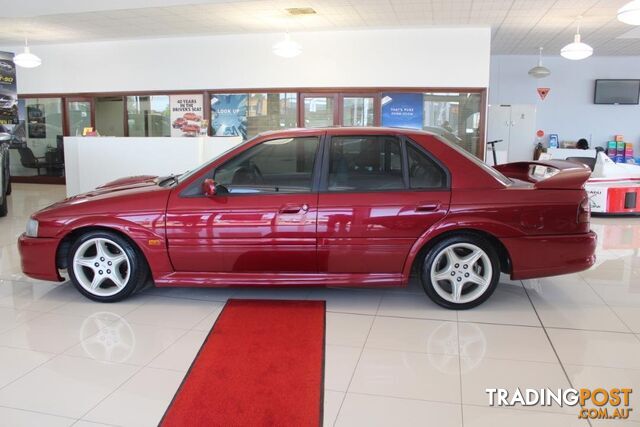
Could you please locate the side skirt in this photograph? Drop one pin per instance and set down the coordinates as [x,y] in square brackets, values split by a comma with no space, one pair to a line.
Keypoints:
[222,280]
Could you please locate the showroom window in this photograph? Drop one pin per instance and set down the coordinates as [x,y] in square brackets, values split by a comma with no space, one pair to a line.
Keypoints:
[452,115]
[358,111]
[276,166]
[37,144]
[109,113]
[365,163]
[149,115]
[455,116]
[248,114]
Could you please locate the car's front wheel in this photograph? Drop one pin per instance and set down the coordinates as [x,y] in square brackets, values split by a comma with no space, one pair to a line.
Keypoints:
[461,271]
[105,267]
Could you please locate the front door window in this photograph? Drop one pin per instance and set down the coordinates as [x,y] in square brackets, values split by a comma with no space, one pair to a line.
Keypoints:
[277,166]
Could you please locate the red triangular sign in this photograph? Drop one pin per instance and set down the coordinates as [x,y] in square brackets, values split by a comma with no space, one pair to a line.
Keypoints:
[543,92]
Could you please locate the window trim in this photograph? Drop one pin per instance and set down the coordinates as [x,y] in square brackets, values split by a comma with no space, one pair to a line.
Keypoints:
[315,172]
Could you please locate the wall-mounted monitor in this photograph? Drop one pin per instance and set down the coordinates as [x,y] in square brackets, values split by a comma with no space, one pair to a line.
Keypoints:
[620,91]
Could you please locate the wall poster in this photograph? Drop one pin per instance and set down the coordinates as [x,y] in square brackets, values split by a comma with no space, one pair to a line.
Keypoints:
[229,115]
[403,110]
[8,92]
[186,115]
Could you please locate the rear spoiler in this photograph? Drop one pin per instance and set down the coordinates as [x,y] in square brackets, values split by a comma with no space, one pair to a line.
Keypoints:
[566,175]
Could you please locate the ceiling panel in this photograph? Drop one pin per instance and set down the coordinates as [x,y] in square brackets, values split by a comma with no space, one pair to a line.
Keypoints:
[518,26]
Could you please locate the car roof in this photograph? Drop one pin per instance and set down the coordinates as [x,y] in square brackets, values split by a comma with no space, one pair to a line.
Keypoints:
[338,130]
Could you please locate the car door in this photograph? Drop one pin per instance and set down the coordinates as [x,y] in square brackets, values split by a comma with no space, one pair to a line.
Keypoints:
[265,223]
[379,193]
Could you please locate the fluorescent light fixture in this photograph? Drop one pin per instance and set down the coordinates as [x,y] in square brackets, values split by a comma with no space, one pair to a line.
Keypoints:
[287,48]
[577,50]
[26,59]
[630,13]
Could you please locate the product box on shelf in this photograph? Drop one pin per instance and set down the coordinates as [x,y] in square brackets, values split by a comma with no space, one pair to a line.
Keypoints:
[612,148]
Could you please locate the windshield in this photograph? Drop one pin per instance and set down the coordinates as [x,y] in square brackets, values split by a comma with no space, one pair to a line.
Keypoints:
[188,174]
[482,165]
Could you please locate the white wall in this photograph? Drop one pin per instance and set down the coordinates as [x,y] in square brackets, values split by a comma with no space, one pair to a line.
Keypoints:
[569,110]
[90,162]
[438,57]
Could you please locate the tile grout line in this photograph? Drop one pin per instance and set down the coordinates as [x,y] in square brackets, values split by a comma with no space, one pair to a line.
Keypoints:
[358,361]
[41,413]
[608,306]
[546,333]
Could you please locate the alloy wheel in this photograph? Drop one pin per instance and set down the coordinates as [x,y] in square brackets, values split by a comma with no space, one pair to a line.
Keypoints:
[461,273]
[101,267]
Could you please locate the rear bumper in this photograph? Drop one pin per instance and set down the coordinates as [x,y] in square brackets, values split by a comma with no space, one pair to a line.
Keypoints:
[541,256]
[38,257]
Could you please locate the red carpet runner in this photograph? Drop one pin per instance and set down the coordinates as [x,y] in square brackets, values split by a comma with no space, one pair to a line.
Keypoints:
[261,365]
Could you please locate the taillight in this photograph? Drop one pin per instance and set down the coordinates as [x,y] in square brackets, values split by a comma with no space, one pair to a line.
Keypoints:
[584,211]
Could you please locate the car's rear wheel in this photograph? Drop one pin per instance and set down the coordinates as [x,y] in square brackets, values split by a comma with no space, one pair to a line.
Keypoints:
[105,266]
[460,271]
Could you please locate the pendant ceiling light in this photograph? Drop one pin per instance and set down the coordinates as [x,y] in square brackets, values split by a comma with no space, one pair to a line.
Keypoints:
[539,72]
[27,59]
[287,48]
[630,13]
[577,50]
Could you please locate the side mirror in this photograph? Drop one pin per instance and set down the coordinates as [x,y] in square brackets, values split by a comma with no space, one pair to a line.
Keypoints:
[209,187]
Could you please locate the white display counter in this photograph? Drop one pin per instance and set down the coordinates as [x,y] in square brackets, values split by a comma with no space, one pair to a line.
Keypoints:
[93,161]
[563,153]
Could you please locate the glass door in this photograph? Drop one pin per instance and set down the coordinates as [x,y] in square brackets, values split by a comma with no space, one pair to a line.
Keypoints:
[320,110]
[80,115]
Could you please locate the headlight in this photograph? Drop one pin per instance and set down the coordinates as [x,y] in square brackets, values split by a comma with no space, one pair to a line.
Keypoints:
[32,228]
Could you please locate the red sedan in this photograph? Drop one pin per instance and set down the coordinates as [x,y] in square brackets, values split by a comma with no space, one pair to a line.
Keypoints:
[322,207]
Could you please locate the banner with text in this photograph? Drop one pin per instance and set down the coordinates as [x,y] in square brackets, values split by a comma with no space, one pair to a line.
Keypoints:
[229,115]
[402,110]
[187,115]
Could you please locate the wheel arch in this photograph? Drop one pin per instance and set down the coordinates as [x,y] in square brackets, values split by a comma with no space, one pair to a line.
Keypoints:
[430,238]
[151,246]
[67,241]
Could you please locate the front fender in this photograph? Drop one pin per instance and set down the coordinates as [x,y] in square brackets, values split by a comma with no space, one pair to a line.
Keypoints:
[147,236]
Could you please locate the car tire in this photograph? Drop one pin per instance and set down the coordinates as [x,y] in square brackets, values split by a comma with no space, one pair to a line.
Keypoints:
[460,272]
[104,266]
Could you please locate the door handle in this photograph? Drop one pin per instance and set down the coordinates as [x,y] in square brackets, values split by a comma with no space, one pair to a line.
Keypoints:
[427,206]
[294,209]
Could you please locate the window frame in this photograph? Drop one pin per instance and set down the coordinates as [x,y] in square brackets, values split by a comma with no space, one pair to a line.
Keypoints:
[196,185]
[403,141]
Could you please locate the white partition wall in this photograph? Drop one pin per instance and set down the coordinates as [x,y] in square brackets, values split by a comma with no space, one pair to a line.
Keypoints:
[417,57]
[93,161]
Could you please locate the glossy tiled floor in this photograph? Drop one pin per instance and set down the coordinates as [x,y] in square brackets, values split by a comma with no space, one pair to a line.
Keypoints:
[393,357]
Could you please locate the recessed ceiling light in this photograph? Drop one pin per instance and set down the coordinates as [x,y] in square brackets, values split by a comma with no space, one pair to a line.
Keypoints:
[298,11]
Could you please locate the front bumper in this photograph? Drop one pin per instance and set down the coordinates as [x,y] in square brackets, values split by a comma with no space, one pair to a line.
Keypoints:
[541,256]
[38,257]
